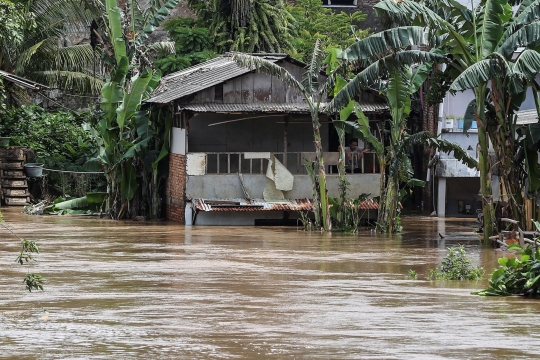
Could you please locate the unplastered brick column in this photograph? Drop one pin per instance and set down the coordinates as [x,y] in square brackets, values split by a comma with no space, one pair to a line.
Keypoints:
[176,188]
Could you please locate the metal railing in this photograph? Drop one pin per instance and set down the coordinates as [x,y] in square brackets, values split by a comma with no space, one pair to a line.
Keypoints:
[238,162]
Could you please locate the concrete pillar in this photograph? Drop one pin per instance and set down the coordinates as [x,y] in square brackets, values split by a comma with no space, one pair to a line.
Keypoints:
[441,201]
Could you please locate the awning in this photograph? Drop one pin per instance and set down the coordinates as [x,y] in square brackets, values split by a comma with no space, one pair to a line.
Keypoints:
[267,108]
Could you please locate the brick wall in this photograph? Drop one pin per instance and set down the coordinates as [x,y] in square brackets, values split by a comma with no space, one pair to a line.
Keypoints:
[176,188]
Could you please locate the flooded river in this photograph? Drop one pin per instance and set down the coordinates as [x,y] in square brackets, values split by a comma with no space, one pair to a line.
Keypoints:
[163,291]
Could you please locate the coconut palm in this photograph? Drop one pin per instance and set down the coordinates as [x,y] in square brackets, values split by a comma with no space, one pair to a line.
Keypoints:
[247,26]
[481,42]
[40,52]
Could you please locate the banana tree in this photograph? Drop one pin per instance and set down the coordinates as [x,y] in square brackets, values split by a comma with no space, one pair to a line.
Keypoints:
[131,143]
[478,40]
[387,55]
[314,92]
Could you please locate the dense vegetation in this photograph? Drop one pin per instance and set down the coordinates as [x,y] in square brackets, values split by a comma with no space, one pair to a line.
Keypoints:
[57,138]
[257,26]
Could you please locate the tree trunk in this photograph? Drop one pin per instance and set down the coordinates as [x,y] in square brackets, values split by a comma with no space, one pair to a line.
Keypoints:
[342,197]
[484,164]
[320,174]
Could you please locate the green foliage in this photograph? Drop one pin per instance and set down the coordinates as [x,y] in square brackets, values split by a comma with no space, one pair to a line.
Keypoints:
[34,282]
[32,46]
[133,140]
[412,274]
[332,28]
[57,138]
[246,26]
[516,276]
[28,248]
[457,266]
[14,23]
[193,45]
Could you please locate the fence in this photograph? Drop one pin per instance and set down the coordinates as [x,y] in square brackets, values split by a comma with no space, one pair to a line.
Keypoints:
[256,162]
[73,183]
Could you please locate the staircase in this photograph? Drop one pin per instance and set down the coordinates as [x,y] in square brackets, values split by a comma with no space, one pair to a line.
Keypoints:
[13,181]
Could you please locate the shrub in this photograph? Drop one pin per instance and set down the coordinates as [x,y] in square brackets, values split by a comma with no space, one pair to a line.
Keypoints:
[516,276]
[57,138]
[457,266]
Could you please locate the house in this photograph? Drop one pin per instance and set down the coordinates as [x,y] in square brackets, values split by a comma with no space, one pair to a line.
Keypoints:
[232,128]
[458,186]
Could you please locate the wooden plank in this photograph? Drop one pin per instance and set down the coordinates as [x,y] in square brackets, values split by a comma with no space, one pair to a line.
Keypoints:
[232,91]
[247,88]
[13,165]
[278,90]
[13,174]
[262,85]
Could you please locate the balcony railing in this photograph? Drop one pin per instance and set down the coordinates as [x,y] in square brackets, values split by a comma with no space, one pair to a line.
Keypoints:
[257,162]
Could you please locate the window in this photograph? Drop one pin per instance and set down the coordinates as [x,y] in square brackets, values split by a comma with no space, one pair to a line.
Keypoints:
[218,95]
[338,3]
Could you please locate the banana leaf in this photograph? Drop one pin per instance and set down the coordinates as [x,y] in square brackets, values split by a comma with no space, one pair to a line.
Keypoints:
[92,201]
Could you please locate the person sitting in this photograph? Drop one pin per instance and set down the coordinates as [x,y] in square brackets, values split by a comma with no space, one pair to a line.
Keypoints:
[353,157]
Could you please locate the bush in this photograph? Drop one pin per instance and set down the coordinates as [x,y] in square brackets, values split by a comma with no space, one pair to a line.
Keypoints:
[457,266]
[516,276]
[57,138]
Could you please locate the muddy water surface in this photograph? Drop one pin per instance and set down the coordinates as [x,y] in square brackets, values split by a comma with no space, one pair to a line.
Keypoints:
[163,291]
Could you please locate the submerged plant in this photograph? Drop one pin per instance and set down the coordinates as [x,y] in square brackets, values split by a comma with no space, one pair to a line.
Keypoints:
[413,274]
[28,248]
[516,276]
[457,266]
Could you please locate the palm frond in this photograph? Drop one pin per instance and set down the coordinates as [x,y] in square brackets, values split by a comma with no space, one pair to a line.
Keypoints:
[154,19]
[490,27]
[267,67]
[385,42]
[480,72]
[428,140]
[528,63]
[310,80]
[377,70]
[527,36]
[405,10]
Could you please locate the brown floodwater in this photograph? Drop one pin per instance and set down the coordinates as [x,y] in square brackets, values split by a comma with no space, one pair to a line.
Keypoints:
[157,290]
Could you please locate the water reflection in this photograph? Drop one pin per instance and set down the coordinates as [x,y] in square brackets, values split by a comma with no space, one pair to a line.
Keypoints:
[140,290]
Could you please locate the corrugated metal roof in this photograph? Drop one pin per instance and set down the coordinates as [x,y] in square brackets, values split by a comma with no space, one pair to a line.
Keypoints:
[526,117]
[202,76]
[239,204]
[291,108]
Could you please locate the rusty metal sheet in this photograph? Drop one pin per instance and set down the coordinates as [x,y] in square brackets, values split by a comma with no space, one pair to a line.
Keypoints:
[239,204]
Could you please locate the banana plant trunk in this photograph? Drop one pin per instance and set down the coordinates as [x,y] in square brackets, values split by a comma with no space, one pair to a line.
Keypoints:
[484,164]
[320,176]
[388,211]
[342,196]
[503,138]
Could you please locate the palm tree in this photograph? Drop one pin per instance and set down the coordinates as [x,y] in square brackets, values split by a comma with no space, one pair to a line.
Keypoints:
[386,60]
[314,93]
[247,26]
[37,54]
[481,42]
